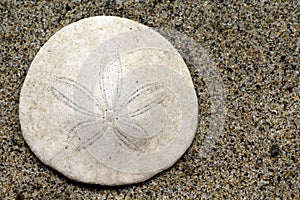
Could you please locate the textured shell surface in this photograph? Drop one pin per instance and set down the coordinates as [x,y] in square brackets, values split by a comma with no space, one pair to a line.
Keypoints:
[108,101]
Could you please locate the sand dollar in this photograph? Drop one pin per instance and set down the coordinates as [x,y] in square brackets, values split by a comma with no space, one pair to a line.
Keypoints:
[108,101]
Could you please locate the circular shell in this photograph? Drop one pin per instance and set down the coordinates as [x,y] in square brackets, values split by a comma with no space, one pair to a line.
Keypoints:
[108,101]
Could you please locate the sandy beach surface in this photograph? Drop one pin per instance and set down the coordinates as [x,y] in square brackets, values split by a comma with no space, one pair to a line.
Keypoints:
[248,87]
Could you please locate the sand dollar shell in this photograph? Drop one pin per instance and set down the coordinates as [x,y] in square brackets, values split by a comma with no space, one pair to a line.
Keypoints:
[108,101]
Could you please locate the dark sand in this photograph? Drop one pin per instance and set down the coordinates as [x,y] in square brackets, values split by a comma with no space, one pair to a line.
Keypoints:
[255,48]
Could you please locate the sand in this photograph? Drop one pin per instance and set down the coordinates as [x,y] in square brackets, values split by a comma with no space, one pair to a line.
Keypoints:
[254,53]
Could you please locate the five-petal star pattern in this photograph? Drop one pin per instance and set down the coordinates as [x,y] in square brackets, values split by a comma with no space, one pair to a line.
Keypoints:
[108,112]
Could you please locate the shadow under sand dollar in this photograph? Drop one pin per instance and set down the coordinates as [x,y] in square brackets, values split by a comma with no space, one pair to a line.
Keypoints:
[202,64]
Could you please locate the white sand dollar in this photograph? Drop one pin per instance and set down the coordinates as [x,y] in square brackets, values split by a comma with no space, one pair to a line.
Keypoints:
[108,101]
